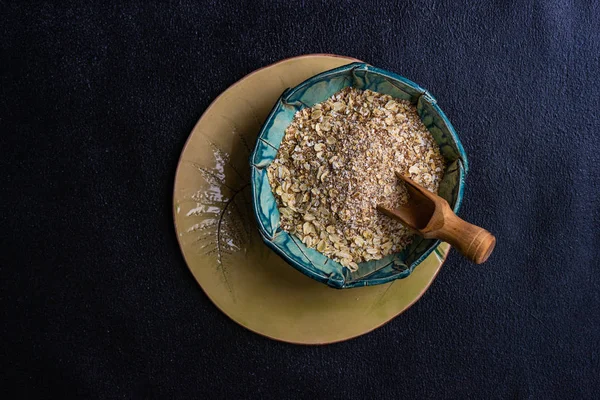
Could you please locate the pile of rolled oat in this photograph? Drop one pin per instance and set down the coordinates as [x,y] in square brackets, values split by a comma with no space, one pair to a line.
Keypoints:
[337,162]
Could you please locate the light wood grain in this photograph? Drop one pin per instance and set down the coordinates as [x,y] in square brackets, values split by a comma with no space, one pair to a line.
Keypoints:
[430,216]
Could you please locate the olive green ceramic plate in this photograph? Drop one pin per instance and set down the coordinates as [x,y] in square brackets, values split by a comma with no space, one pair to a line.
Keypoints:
[221,244]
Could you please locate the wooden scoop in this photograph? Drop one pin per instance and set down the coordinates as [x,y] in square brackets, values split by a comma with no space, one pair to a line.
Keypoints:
[430,216]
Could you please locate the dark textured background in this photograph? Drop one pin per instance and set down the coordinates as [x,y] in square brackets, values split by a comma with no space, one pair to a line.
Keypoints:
[96,102]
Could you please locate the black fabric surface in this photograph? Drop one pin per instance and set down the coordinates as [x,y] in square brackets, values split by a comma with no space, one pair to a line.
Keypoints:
[96,102]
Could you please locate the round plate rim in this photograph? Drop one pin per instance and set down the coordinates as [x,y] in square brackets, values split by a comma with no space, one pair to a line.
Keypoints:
[173,205]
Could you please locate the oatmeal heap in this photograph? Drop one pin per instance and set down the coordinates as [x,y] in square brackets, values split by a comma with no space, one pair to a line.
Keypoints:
[337,162]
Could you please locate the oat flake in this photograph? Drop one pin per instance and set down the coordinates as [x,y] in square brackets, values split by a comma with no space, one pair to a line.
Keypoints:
[337,162]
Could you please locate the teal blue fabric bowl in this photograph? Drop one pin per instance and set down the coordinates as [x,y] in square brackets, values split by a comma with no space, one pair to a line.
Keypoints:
[315,90]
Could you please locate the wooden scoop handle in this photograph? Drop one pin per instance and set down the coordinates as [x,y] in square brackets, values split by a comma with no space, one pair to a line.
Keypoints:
[473,242]
[431,216]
